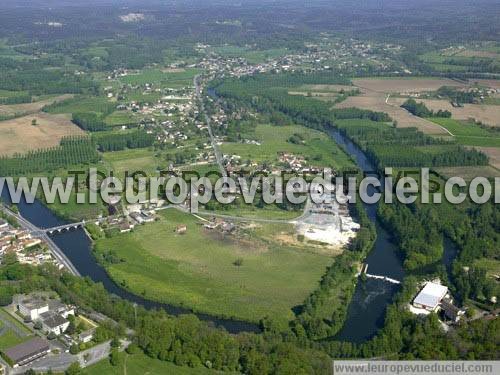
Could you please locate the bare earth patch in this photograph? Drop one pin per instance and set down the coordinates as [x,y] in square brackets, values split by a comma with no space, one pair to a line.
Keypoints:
[19,136]
[400,85]
[27,108]
[377,102]
[494,155]
[487,114]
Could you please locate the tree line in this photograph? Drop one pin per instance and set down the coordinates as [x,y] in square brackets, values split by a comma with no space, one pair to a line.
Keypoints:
[116,141]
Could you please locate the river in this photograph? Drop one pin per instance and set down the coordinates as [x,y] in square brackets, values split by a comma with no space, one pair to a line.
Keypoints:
[366,311]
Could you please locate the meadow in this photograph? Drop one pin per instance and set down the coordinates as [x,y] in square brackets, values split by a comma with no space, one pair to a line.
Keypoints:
[318,148]
[198,270]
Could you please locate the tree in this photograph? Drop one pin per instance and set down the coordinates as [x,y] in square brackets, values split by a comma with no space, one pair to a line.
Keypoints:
[74,349]
[37,325]
[51,335]
[73,369]
[33,122]
[238,262]
[114,357]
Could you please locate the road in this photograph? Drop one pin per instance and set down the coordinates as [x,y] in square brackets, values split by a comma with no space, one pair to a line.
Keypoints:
[218,154]
[58,254]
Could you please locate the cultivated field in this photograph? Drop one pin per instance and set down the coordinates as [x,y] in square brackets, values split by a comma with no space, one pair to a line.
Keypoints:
[468,173]
[18,135]
[28,108]
[400,85]
[378,102]
[487,114]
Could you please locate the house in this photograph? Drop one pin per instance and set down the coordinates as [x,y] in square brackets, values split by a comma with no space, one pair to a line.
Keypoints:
[53,322]
[86,336]
[430,296]
[32,307]
[27,352]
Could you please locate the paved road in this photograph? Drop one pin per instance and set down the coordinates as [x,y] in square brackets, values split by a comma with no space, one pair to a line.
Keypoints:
[218,154]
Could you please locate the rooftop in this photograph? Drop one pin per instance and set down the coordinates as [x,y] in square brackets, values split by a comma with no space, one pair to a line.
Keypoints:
[53,320]
[431,294]
[27,349]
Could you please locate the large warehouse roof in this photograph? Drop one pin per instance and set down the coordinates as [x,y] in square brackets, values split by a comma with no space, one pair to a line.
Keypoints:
[431,295]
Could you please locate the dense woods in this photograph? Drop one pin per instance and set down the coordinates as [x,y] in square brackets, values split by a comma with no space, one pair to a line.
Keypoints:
[116,141]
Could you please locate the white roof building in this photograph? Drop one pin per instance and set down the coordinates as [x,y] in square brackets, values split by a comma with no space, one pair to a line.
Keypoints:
[430,296]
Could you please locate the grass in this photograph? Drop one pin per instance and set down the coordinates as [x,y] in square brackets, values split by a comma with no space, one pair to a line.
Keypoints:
[273,139]
[492,266]
[141,364]
[9,339]
[139,159]
[118,118]
[98,105]
[164,79]
[6,316]
[468,133]
[252,56]
[196,269]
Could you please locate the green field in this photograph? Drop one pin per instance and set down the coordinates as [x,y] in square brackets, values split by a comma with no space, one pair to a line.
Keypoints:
[140,364]
[252,56]
[468,133]
[118,118]
[162,78]
[318,147]
[98,105]
[139,159]
[196,269]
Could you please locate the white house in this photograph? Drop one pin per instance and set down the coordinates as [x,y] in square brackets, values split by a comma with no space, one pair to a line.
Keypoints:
[32,307]
[52,322]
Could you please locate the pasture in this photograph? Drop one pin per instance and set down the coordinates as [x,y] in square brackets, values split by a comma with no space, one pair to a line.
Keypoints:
[197,269]
[19,135]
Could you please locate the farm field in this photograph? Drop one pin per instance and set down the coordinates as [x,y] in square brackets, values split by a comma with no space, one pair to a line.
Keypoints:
[28,108]
[377,102]
[19,135]
[468,133]
[468,173]
[494,155]
[197,269]
[318,147]
[141,159]
[487,114]
[398,85]
[99,105]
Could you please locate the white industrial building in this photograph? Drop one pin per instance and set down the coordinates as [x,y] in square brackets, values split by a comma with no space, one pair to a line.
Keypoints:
[430,296]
